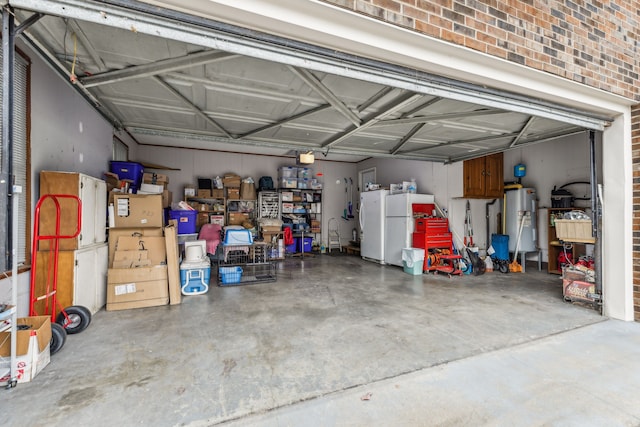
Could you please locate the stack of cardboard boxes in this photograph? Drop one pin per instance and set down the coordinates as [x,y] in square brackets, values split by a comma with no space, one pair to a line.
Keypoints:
[155,183]
[143,256]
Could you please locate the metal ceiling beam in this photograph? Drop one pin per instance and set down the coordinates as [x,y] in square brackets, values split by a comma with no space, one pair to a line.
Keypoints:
[390,108]
[155,68]
[463,141]
[174,25]
[374,98]
[287,120]
[326,94]
[522,131]
[185,134]
[421,107]
[436,117]
[407,137]
[84,41]
[56,65]
[191,106]
[540,138]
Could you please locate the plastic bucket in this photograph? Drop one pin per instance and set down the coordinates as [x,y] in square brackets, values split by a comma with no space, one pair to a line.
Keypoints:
[500,243]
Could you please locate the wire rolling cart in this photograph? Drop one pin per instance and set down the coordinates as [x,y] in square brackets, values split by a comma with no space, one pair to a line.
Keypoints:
[246,264]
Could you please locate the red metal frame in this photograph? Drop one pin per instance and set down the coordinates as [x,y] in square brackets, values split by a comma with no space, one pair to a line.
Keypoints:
[52,271]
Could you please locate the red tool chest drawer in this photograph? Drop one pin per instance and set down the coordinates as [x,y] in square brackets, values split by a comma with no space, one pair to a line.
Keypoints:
[430,241]
[432,225]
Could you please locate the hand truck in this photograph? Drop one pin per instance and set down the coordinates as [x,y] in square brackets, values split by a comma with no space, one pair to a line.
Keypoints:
[69,320]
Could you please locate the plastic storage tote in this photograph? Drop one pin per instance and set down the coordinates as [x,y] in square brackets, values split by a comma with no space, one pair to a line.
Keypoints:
[304,245]
[129,170]
[230,275]
[186,220]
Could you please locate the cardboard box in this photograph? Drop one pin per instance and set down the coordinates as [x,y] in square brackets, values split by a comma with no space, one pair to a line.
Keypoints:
[204,193]
[154,246]
[217,193]
[248,191]
[189,191]
[32,348]
[151,188]
[137,210]
[173,267]
[237,218]
[131,259]
[233,193]
[231,180]
[155,178]
[216,219]
[115,233]
[167,198]
[137,287]
[203,218]
[270,228]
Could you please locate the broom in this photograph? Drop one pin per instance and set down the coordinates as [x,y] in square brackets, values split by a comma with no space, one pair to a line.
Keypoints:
[515,267]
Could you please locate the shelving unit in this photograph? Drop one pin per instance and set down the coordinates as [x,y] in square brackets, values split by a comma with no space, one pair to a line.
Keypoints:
[239,211]
[303,207]
[206,207]
[269,204]
[8,320]
[554,245]
[9,317]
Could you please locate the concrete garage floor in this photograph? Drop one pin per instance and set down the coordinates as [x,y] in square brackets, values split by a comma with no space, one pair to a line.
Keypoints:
[305,349]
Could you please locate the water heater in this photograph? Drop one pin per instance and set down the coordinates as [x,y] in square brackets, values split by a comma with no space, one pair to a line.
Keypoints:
[520,206]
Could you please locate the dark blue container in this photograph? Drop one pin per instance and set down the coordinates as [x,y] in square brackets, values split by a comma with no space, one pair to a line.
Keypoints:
[129,170]
[500,243]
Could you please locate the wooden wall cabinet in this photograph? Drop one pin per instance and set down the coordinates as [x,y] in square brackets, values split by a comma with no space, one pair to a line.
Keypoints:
[483,177]
[82,278]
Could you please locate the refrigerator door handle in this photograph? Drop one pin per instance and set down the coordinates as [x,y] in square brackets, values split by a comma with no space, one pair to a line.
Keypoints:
[360,219]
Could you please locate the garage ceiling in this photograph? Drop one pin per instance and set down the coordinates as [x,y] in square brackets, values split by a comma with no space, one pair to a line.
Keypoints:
[237,90]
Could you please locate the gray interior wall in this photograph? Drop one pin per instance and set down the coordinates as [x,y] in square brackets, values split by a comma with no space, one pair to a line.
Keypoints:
[67,134]
[209,164]
[548,164]
[552,164]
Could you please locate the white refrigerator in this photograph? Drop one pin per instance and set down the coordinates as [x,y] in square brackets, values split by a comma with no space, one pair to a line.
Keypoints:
[400,224]
[371,216]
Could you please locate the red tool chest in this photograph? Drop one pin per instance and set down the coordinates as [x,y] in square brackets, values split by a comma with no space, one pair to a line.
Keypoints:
[432,233]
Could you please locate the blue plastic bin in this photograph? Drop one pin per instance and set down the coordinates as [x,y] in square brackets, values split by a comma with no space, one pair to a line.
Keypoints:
[291,249]
[304,245]
[500,243]
[186,220]
[230,275]
[129,170]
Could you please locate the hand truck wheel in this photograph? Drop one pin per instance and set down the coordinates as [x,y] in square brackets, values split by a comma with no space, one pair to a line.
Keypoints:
[74,319]
[58,338]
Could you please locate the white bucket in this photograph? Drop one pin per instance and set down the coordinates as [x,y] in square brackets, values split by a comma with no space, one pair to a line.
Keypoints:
[193,253]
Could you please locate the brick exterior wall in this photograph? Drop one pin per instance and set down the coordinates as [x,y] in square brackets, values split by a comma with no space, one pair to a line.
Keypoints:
[635,147]
[592,42]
